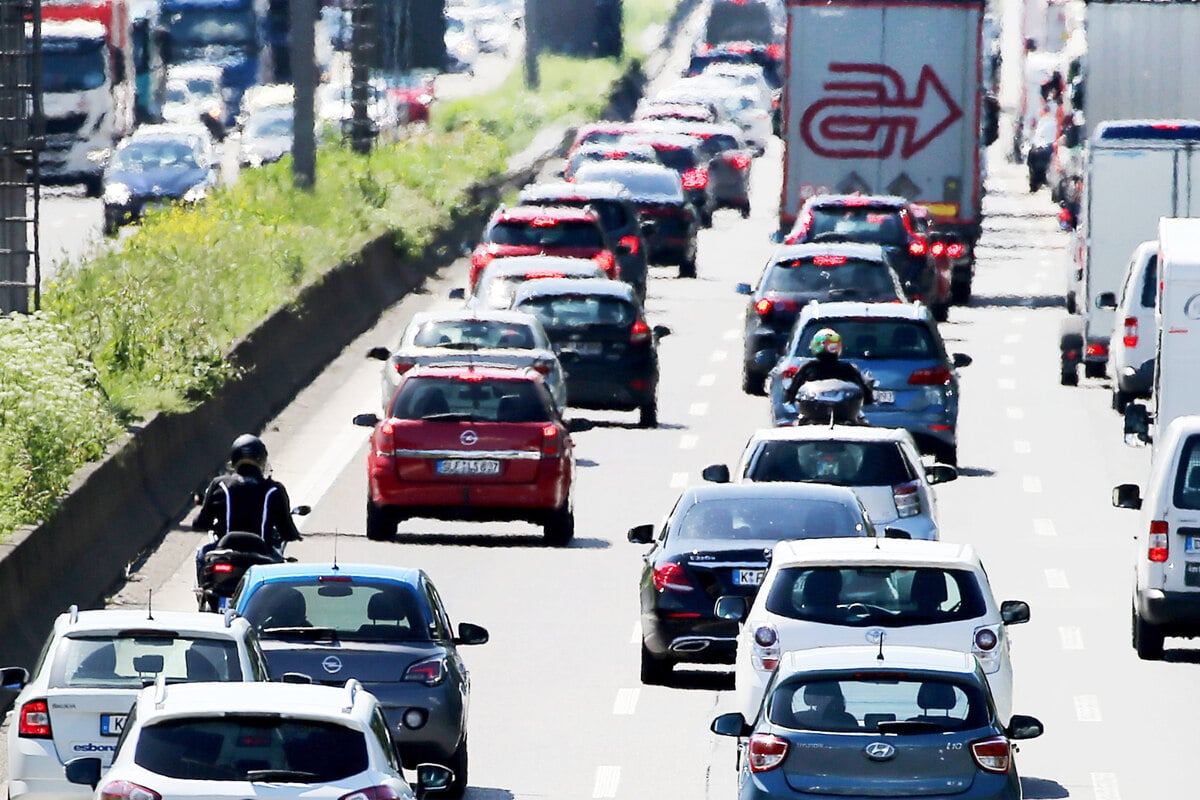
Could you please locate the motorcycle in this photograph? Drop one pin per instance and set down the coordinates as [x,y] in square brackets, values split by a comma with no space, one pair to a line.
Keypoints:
[830,402]
[227,562]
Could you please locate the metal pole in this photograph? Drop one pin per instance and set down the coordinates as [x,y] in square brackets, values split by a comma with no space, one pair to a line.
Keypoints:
[533,22]
[16,105]
[304,80]
[363,42]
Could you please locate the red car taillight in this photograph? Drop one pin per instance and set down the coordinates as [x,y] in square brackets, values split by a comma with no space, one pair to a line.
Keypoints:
[640,333]
[775,51]
[631,243]
[543,366]
[35,720]
[917,247]
[550,441]
[740,161]
[1130,339]
[930,376]
[479,259]
[1158,546]
[937,249]
[402,366]
[607,262]
[385,441]
[956,250]
[670,577]
[766,652]
[431,671]
[124,790]
[908,499]
[766,752]
[763,307]
[992,755]
[1096,349]
[767,304]
[695,178]
[373,793]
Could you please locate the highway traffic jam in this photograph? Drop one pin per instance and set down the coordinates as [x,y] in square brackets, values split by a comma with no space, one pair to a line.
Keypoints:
[797,308]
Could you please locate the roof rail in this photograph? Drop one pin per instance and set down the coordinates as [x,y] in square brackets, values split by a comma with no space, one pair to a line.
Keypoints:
[230,616]
[73,610]
[352,687]
[160,690]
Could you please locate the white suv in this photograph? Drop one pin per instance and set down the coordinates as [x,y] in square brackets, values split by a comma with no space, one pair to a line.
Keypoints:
[1134,341]
[881,465]
[91,670]
[265,740]
[822,592]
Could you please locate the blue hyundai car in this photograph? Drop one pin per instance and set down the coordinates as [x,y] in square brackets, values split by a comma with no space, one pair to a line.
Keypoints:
[897,345]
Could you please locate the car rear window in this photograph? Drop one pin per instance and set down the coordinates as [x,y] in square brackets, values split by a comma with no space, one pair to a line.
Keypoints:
[466,398]
[1187,481]
[738,22]
[842,463]
[679,159]
[612,213]
[718,143]
[547,232]
[641,183]
[866,700]
[579,310]
[774,518]
[886,339]
[498,290]
[348,609]
[133,660]
[838,276]
[866,595]
[472,334]
[860,224]
[264,748]
[1150,283]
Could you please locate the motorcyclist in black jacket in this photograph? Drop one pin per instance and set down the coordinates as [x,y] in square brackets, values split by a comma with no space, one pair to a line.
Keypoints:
[247,500]
[826,347]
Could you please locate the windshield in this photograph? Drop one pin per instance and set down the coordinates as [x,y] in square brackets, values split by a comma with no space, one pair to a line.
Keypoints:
[883,339]
[611,212]
[471,334]
[863,701]
[838,276]
[147,156]
[577,311]
[774,518]
[130,661]
[269,126]
[1187,481]
[240,747]
[641,183]
[547,232]
[352,610]
[213,26]
[870,224]
[466,399]
[78,69]
[860,596]
[841,463]
[738,22]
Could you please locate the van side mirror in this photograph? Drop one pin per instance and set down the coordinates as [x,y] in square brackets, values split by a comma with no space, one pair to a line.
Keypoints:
[641,534]
[731,607]
[84,771]
[715,473]
[1106,301]
[1127,495]
[379,353]
[941,473]
[1014,612]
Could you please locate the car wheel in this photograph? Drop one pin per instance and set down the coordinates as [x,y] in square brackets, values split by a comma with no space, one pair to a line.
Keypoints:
[1095,369]
[648,415]
[93,186]
[111,226]
[1120,400]
[559,528]
[381,523]
[458,765]
[947,454]
[941,311]
[655,671]
[1071,306]
[746,211]
[1147,639]
[960,292]
[687,269]
[753,384]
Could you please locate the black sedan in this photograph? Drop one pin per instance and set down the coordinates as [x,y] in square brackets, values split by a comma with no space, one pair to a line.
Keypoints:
[718,541]
[158,165]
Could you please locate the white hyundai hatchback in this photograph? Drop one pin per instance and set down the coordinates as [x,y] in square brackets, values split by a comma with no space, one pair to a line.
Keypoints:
[823,592]
[91,670]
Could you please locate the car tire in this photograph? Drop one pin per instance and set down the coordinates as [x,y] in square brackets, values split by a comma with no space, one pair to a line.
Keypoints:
[753,384]
[941,311]
[559,528]
[960,292]
[687,268]
[381,523]
[655,671]
[1120,400]
[946,454]
[1147,639]
[648,415]
[1095,369]
[111,226]
[458,765]
[93,186]
[746,211]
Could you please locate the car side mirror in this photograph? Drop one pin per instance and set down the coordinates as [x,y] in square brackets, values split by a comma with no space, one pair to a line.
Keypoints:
[458,294]
[941,473]
[732,724]
[1127,495]
[715,473]
[661,331]
[731,607]
[366,420]
[1107,301]
[433,778]
[1014,612]
[301,511]
[1137,421]
[961,360]
[641,534]
[744,288]
[379,353]
[13,679]
[1023,727]
[896,533]
[84,771]
[469,633]
[579,425]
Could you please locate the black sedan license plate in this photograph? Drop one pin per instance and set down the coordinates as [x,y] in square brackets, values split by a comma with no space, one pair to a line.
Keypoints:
[468,466]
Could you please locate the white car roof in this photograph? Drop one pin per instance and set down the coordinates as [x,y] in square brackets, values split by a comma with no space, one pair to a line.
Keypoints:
[823,433]
[917,552]
[817,310]
[185,622]
[483,314]
[195,70]
[860,657]
[311,701]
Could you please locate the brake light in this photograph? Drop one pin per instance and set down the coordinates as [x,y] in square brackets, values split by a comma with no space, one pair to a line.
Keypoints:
[695,178]
[790,371]
[222,567]
[763,307]
[907,498]
[775,51]
[956,250]
[1096,349]
[937,249]
[35,720]
[917,247]
[631,243]
[402,367]
[543,222]
[1158,545]
[739,160]
[543,366]
[385,445]
[550,443]
[533,276]
[828,261]
[608,263]
[470,377]
[766,752]
[431,671]
[670,577]
[1130,339]
[124,790]
[992,755]
[481,258]
[639,333]
[373,793]
[930,376]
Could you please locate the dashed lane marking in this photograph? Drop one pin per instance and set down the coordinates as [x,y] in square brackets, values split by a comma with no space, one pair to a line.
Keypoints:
[1044,527]
[1008,360]
[1012,338]
[1087,708]
[1104,786]
[688,441]
[1013,412]
[1020,445]
[1070,637]
[707,380]
[626,702]
[731,334]
[1031,484]
[679,480]
[720,355]
[607,779]
[1008,384]
[698,409]
[1057,579]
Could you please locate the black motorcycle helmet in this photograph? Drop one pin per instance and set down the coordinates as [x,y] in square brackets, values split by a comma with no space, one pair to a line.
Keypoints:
[248,449]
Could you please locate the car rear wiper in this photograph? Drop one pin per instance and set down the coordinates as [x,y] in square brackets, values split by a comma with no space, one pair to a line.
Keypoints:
[849,291]
[449,416]
[459,346]
[281,776]
[910,727]
[302,632]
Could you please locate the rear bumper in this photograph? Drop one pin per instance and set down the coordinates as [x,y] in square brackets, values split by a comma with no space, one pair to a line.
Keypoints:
[774,785]
[1178,613]
[36,773]
[438,738]
[474,501]
[697,641]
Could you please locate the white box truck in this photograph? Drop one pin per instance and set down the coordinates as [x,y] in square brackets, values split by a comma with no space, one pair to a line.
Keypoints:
[1136,172]
[885,97]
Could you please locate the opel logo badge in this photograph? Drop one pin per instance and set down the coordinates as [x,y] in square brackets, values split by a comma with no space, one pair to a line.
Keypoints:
[879,751]
[468,438]
[332,664]
[1191,309]
[875,635]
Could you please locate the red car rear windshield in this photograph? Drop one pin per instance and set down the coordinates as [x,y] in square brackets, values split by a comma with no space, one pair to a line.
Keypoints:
[547,233]
[484,400]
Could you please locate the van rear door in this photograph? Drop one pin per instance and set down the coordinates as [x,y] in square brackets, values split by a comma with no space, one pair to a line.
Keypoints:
[1183,519]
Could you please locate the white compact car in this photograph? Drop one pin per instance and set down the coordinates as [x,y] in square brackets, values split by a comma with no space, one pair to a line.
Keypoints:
[823,592]
[270,740]
[1134,341]
[881,465]
[90,672]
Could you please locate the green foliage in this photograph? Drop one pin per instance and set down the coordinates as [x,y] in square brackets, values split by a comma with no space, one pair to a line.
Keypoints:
[639,15]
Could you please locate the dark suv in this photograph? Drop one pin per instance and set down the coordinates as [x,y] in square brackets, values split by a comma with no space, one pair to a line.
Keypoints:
[682,153]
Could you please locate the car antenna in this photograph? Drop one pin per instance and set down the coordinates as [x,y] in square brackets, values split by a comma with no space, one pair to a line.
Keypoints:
[150,605]
[335,540]
[880,656]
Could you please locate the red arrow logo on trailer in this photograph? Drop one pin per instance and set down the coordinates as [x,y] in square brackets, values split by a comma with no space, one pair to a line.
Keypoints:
[865,118]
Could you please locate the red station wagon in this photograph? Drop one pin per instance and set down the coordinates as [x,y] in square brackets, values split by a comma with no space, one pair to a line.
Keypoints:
[544,230]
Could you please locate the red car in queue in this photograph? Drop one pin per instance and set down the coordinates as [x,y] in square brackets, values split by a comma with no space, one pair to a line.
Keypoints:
[544,230]
[464,442]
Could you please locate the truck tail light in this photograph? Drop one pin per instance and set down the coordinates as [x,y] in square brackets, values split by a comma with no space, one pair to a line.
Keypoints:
[930,376]
[640,333]
[35,720]
[992,755]
[1130,339]
[766,752]
[1157,544]
[908,499]
[670,577]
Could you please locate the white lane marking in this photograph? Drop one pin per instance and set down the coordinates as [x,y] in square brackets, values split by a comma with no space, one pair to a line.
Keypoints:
[1018,320]
[698,409]
[626,702]
[1020,445]
[1057,578]
[1015,413]
[707,380]
[688,441]
[679,480]
[731,334]
[720,355]
[1008,360]
[607,779]
[325,470]
[1104,786]
[1006,383]
[1044,527]
[1012,338]
[1031,484]
[1070,637]
[1087,707]
[636,636]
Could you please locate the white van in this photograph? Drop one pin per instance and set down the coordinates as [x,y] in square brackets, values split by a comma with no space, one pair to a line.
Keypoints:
[1134,340]
[1166,595]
